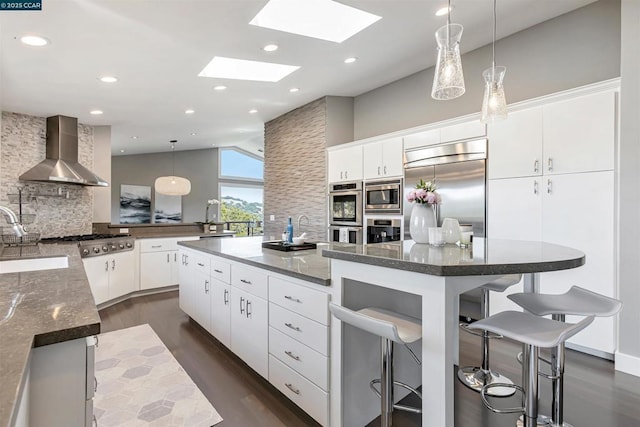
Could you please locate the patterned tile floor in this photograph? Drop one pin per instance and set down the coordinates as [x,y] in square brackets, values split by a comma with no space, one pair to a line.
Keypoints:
[140,383]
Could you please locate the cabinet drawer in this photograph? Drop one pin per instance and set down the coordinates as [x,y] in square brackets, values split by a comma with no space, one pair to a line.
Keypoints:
[250,280]
[158,245]
[307,362]
[307,302]
[220,270]
[201,263]
[308,332]
[301,391]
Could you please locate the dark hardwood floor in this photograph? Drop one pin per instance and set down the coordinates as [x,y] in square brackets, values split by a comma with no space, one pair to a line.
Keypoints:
[595,394]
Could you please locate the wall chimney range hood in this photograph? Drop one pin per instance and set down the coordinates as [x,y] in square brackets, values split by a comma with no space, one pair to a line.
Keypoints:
[61,162]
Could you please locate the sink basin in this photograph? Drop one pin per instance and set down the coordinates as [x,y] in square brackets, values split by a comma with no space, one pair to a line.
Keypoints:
[33,264]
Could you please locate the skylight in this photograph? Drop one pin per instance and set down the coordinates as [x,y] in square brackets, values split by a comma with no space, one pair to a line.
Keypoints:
[320,19]
[242,69]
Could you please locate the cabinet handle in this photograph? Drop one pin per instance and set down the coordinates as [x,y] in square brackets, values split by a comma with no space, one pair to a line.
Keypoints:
[291,355]
[217,271]
[201,264]
[156,246]
[378,170]
[186,260]
[549,186]
[384,169]
[95,384]
[241,307]
[535,187]
[225,297]
[248,309]
[168,260]
[536,165]
[340,174]
[248,282]
[550,164]
[113,264]
[206,286]
[97,340]
[95,421]
[106,266]
[345,175]
[290,298]
[290,387]
[295,328]
[175,257]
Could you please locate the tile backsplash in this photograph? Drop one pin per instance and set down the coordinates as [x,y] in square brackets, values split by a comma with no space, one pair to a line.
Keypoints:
[60,209]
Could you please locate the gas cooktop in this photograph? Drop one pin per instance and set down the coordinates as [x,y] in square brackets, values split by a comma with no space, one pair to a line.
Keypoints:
[82,237]
[97,244]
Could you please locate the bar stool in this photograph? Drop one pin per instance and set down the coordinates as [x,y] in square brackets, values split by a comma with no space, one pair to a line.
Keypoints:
[534,333]
[475,377]
[577,301]
[390,327]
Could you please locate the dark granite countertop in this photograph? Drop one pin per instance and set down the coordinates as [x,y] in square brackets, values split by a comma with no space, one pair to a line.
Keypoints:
[305,265]
[53,306]
[486,257]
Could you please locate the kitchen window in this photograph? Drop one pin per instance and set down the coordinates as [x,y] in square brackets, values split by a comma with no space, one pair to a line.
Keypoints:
[240,165]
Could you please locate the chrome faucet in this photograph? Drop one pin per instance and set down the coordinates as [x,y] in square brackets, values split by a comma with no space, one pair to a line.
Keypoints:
[300,219]
[13,220]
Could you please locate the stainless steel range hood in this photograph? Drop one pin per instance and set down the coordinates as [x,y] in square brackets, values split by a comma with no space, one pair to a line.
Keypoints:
[61,162]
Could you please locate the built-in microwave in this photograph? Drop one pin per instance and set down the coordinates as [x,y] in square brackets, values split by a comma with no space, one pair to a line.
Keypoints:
[383,197]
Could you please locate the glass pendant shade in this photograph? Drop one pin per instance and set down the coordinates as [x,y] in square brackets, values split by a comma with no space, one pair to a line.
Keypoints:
[448,79]
[494,102]
[172,185]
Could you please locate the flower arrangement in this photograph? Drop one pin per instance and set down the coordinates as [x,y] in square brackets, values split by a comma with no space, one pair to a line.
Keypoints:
[424,193]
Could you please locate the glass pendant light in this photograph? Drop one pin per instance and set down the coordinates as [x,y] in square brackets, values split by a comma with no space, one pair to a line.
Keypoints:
[494,102]
[172,185]
[448,79]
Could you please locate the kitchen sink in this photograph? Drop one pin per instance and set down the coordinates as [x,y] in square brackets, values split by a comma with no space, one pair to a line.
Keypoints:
[33,264]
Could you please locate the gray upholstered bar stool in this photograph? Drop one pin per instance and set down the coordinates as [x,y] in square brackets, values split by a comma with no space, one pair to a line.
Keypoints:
[576,301]
[534,333]
[390,327]
[475,377]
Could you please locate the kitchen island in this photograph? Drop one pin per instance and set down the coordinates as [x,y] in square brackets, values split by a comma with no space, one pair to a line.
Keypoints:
[425,282]
[40,309]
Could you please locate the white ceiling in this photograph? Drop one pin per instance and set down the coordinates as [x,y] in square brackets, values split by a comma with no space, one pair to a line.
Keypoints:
[157,48]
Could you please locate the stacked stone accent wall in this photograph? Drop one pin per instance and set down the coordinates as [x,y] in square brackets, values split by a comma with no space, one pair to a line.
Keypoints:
[295,171]
[22,144]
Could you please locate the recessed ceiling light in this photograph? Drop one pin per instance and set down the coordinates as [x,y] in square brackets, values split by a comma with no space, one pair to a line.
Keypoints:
[213,145]
[32,40]
[220,87]
[122,151]
[270,47]
[193,134]
[189,111]
[294,89]
[242,69]
[443,11]
[96,112]
[350,60]
[134,137]
[108,79]
[253,111]
[320,19]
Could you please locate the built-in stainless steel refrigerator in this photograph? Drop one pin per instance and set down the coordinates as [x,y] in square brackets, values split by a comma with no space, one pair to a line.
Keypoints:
[459,171]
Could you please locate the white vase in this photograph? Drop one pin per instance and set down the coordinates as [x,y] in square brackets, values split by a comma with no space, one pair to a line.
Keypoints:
[423,216]
[450,230]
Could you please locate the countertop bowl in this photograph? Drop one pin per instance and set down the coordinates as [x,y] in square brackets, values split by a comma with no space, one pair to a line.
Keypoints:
[298,240]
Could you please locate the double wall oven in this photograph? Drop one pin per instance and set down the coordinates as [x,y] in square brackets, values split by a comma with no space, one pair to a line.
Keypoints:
[345,212]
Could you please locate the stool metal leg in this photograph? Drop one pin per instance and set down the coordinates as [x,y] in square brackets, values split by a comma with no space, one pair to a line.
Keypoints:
[475,378]
[530,384]
[386,382]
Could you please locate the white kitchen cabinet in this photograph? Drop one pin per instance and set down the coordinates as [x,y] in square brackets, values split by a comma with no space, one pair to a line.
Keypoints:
[579,133]
[110,276]
[201,299]
[249,329]
[421,139]
[159,261]
[383,159]
[515,145]
[466,130]
[514,208]
[345,164]
[221,311]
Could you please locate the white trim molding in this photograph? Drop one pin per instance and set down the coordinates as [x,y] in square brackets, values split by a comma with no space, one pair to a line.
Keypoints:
[627,363]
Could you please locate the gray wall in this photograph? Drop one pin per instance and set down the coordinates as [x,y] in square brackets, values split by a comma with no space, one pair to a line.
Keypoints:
[339,113]
[199,166]
[295,170]
[629,244]
[571,50]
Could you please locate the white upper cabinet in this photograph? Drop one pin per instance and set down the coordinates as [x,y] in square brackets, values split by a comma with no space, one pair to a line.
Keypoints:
[464,130]
[345,164]
[515,145]
[383,159]
[579,134]
[422,139]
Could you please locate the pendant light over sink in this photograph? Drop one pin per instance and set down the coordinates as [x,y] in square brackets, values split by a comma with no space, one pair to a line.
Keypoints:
[448,79]
[494,103]
[173,185]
